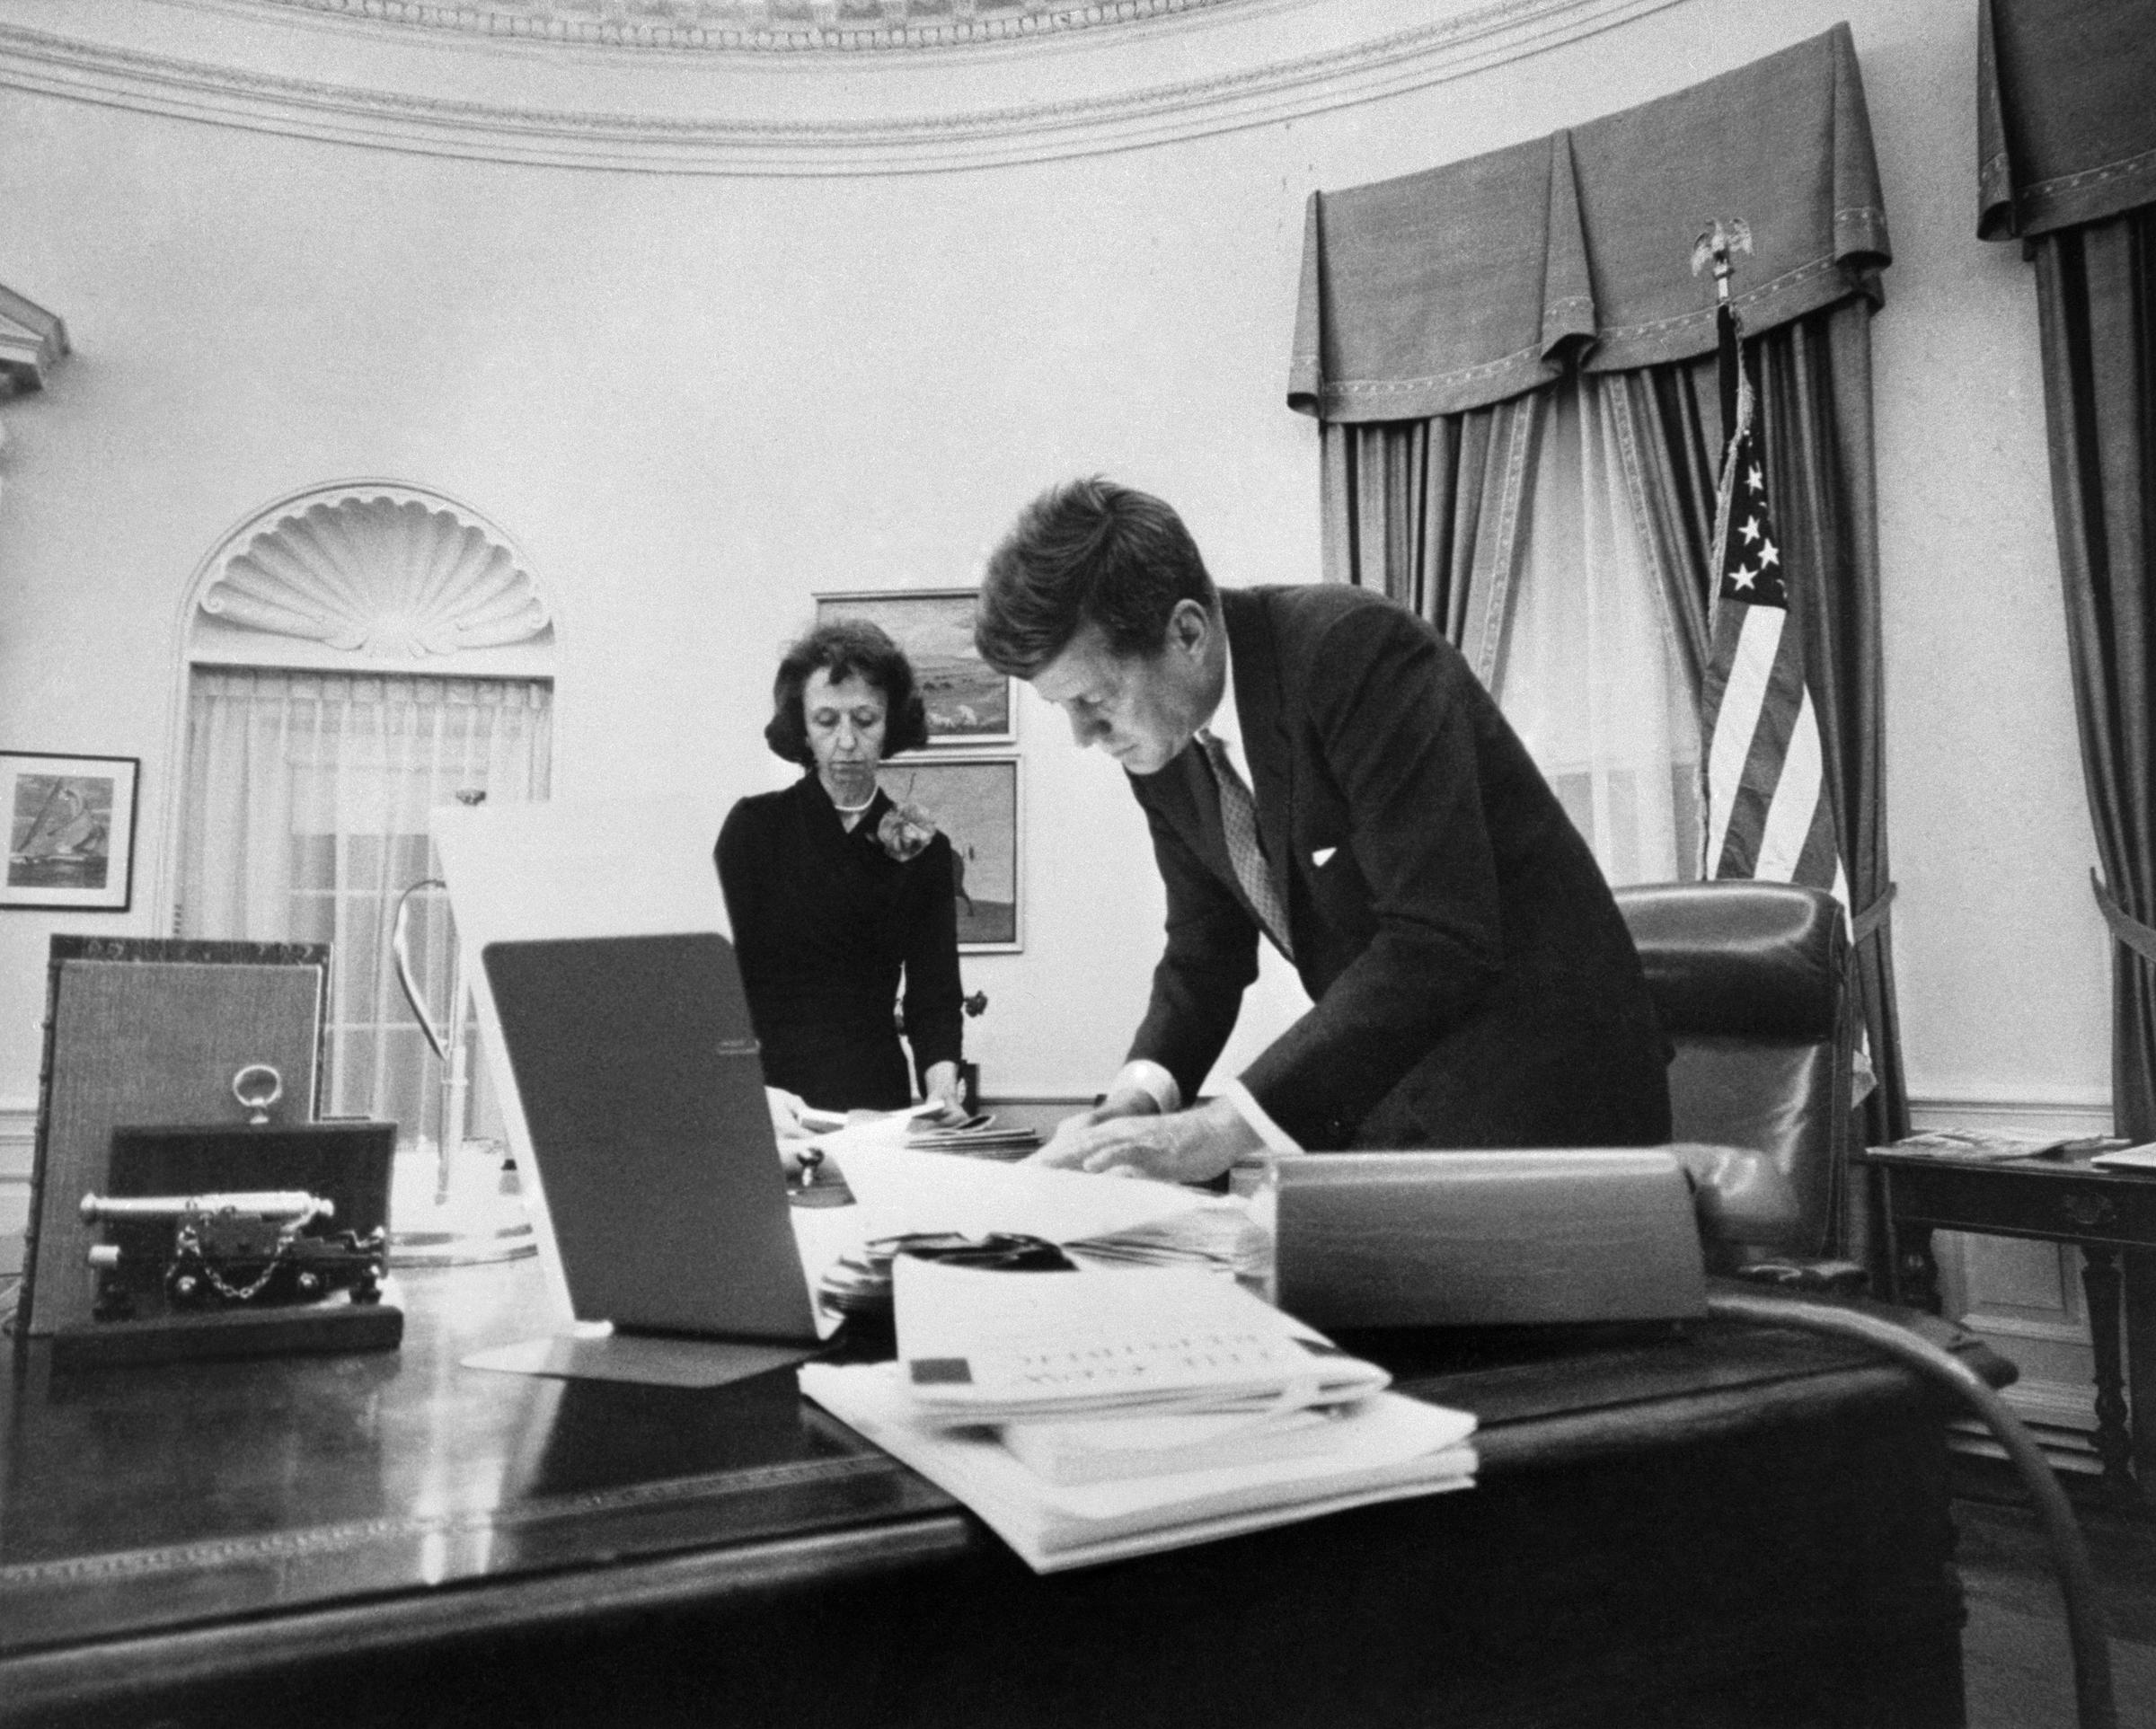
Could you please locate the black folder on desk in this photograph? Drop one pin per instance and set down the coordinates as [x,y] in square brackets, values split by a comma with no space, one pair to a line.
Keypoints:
[638,1074]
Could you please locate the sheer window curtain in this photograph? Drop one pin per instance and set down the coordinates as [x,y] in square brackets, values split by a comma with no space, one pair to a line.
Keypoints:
[308,796]
[1521,531]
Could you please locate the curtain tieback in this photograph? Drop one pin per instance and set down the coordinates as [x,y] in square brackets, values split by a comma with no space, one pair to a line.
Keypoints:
[2125,927]
[1864,925]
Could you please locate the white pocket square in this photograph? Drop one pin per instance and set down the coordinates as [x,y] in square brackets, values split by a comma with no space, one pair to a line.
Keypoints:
[1318,858]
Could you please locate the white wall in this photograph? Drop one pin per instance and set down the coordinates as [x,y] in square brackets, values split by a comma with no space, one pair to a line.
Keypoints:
[696,398]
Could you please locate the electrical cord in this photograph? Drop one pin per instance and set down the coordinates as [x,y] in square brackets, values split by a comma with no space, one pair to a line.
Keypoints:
[2085,1625]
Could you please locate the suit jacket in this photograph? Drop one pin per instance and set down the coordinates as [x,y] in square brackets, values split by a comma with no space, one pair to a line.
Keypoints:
[1472,982]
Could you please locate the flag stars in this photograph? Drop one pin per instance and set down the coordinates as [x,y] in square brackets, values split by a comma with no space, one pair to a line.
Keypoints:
[1757,481]
[1768,554]
[1743,576]
[1751,528]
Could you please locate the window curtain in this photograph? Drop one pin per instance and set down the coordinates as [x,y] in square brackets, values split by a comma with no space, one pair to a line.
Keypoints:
[308,796]
[1509,529]
[1445,317]
[2067,137]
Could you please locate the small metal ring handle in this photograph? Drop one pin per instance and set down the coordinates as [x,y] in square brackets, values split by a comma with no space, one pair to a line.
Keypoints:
[256,1087]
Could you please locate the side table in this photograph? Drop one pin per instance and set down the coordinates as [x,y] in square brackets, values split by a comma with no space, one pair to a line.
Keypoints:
[2110,1215]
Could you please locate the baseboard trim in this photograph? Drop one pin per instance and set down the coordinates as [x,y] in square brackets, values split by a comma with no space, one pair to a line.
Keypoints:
[2061,1113]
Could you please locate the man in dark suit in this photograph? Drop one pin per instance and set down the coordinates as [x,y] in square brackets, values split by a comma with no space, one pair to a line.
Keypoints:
[1319,765]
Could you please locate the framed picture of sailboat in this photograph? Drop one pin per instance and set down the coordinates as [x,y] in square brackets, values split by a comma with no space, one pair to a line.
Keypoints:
[70,831]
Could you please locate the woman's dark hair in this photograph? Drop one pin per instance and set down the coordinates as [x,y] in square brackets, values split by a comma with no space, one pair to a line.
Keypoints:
[847,648]
[1086,552]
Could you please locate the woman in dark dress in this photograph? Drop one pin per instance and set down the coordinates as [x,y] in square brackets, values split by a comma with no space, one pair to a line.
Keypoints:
[835,892]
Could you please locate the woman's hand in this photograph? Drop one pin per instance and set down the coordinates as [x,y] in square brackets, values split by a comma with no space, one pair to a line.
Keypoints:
[947,1091]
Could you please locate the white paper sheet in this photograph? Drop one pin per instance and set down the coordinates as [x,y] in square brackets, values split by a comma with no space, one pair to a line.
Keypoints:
[907,1191]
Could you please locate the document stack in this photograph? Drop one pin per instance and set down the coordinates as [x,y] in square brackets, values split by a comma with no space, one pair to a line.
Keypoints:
[1092,1414]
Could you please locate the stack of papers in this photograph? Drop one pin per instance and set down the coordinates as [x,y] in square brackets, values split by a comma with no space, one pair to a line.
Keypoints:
[1094,1414]
[1978,1143]
[980,1138]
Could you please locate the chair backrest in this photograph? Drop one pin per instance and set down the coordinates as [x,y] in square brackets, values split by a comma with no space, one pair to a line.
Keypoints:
[1749,980]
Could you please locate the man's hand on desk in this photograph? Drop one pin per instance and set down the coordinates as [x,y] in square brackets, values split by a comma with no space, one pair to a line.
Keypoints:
[1125,1135]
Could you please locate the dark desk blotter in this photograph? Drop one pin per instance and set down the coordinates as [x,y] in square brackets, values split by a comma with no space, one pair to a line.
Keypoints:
[292,1329]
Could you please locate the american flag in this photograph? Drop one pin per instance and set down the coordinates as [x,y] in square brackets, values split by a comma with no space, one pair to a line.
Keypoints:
[1768,813]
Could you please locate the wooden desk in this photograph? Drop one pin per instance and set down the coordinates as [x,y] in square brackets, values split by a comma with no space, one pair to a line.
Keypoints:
[2110,1216]
[1733,1526]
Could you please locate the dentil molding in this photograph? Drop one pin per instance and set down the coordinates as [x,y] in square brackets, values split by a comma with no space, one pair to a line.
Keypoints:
[669,86]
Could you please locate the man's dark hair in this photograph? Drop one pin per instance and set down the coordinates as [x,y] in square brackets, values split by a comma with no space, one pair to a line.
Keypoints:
[847,648]
[1086,552]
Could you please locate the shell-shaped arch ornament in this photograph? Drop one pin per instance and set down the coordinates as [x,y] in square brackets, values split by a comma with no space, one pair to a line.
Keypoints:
[389,576]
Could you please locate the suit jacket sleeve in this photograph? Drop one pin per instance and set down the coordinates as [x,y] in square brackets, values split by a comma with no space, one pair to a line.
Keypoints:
[934,1014]
[1394,722]
[1210,958]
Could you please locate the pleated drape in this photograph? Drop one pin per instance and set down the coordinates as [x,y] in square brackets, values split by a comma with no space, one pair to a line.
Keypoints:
[2095,294]
[1428,512]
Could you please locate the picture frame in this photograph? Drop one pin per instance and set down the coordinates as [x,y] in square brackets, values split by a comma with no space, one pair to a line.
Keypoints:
[70,824]
[969,703]
[977,802]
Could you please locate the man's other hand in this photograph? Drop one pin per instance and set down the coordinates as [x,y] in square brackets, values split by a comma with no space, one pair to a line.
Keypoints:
[1181,1147]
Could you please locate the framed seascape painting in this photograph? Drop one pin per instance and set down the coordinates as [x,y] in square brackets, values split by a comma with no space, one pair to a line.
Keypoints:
[969,702]
[973,799]
[70,830]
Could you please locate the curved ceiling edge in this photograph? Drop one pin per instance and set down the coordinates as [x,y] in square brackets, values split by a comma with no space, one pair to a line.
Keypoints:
[759,26]
[1280,89]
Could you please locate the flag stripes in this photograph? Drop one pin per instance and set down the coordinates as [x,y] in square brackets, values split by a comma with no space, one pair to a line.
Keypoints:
[1768,815]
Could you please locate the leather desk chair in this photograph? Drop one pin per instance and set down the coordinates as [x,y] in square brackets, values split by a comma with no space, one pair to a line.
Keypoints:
[1749,978]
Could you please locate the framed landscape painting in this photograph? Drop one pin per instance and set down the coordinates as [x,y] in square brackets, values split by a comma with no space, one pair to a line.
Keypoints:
[70,830]
[969,702]
[974,800]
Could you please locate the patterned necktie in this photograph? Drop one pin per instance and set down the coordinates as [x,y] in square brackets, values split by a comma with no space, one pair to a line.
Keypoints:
[1239,822]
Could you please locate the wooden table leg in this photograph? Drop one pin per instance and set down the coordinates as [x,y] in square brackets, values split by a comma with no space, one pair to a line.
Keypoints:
[2139,1265]
[2101,1285]
[1915,1268]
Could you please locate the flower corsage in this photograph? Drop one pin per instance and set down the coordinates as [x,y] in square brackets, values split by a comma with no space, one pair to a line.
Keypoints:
[905,832]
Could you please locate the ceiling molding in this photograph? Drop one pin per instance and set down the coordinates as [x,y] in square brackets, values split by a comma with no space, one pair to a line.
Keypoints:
[793,127]
[755,26]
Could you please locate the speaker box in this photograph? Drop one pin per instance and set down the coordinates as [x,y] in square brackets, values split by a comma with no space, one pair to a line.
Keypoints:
[146,1030]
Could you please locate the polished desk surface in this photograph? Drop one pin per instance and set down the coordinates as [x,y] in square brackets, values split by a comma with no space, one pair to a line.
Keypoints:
[167,1524]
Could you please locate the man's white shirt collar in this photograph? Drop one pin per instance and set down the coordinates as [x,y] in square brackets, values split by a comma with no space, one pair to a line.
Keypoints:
[1226,721]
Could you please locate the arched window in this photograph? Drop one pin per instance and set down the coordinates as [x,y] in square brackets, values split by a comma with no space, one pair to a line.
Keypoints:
[356,654]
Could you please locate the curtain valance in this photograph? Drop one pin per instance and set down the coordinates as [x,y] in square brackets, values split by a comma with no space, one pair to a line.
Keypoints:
[2065,113]
[1467,283]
